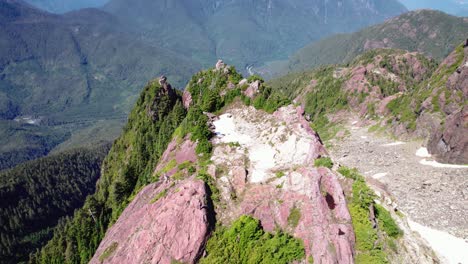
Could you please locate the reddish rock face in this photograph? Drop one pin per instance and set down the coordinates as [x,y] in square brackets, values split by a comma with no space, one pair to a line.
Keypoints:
[451,144]
[186,99]
[174,227]
[180,152]
[324,224]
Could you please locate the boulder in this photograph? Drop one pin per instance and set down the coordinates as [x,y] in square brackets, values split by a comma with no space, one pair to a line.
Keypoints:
[161,225]
[253,88]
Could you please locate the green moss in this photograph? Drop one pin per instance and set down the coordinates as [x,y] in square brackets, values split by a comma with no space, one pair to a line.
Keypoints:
[108,251]
[294,217]
[160,195]
[246,242]
[169,166]
[323,162]
[215,196]
[280,174]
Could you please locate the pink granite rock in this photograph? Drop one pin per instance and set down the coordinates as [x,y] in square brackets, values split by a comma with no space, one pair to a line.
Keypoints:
[174,227]
[253,88]
[325,223]
[180,152]
[186,99]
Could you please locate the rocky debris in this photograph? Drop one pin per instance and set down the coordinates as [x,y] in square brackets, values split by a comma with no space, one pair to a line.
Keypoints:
[253,89]
[434,197]
[450,145]
[267,162]
[186,99]
[161,225]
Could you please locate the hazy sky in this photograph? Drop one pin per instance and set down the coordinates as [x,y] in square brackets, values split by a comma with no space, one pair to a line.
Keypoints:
[454,7]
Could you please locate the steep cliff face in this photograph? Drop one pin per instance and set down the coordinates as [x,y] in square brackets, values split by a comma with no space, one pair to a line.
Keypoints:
[449,143]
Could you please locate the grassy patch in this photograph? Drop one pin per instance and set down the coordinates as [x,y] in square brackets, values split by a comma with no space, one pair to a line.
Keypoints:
[294,217]
[108,251]
[280,174]
[323,162]
[159,196]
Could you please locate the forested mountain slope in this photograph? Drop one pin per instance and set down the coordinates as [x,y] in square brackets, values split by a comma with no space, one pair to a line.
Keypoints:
[36,194]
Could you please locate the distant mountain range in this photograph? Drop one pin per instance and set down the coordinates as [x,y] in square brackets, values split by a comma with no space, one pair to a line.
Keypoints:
[432,33]
[245,32]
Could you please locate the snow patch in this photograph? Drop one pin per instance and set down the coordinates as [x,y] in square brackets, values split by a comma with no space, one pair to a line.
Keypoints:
[379,175]
[436,164]
[451,249]
[397,143]
[263,159]
[270,145]
[225,128]
[423,153]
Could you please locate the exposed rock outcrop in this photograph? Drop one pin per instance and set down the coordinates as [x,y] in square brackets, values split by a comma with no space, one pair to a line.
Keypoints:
[451,144]
[253,88]
[167,221]
[161,225]
[272,174]
[449,141]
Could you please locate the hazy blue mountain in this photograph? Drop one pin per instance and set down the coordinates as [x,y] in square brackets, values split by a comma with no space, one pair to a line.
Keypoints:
[244,32]
[62,6]
[454,7]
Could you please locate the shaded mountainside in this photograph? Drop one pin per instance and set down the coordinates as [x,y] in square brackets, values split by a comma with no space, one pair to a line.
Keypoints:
[36,194]
[244,32]
[432,33]
[405,92]
[185,185]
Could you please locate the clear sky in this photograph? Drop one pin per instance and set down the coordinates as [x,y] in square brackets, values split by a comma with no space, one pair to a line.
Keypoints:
[454,7]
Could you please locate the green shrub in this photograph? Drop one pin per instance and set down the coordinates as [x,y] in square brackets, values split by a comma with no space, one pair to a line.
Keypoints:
[386,222]
[246,242]
[323,162]
[349,173]
[215,196]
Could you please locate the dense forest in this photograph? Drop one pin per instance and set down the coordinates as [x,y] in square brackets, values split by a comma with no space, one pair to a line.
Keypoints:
[36,194]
